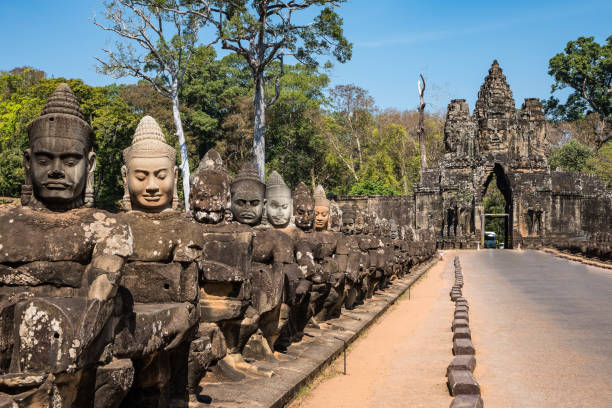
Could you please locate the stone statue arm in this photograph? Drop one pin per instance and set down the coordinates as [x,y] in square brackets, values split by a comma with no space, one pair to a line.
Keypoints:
[112,247]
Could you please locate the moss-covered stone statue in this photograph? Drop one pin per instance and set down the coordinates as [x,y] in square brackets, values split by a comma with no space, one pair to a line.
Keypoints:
[60,267]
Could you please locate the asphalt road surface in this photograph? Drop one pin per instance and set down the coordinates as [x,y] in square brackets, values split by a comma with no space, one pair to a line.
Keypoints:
[542,329]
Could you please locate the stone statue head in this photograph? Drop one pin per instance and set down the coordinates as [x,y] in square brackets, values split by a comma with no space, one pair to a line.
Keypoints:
[348,219]
[359,222]
[248,195]
[395,232]
[335,217]
[321,208]
[149,171]
[209,195]
[303,207]
[60,162]
[279,205]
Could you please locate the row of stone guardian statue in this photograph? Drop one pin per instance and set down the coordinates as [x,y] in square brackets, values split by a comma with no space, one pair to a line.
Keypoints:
[133,309]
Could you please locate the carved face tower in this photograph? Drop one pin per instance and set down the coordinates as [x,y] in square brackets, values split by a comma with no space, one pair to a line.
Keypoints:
[149,172]
[209,196]
[321,208]
[303,207]
[60,162]
[248,196]
[279,205]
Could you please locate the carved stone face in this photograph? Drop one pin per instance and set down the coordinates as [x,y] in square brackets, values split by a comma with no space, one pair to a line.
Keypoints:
[210,197]
[304,215]
[151,182]
[58,167]
[394,230]
[248,202]
[321,217]
[348,225]
[279,209]
[359,222]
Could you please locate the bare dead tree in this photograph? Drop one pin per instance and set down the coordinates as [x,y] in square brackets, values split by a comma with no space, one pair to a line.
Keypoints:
[421,128]
[165,43]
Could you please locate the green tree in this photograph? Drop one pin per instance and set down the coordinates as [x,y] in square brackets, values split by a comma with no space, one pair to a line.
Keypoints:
[372,187]
[161,59]
[601,164]
[210,91]
[262,31]
[22,99]
[350,124]
[586,67]
[296,146]
[494,203]
[572,156]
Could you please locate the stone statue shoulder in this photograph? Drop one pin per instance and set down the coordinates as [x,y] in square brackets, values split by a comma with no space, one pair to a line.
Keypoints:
[76,235]
[163,237]
[273,245]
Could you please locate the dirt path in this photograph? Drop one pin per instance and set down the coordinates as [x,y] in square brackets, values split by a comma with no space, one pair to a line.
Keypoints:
[401,360]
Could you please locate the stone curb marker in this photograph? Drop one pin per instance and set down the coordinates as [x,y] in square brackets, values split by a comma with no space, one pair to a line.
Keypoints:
[460,379]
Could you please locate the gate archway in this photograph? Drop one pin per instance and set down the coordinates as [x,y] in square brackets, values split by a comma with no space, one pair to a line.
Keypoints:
[498,174]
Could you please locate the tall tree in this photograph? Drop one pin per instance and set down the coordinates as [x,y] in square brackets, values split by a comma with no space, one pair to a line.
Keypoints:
[166,43]
[262,31]
[350,124]
[586,67]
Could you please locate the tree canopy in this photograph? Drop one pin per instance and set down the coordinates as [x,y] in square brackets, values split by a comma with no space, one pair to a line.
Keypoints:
[585,67]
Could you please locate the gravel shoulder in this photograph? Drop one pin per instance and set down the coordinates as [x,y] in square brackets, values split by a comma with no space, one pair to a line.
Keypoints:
[401,360]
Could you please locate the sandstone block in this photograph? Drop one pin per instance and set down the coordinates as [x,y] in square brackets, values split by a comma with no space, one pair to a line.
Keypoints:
[463,346]
[462,362]
[462,382]
[462,333]
[467,401]
[459,323]
[113,382]
[462,315]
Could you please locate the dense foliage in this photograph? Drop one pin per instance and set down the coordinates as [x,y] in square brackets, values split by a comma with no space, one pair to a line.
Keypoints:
[585,67]
[217,110]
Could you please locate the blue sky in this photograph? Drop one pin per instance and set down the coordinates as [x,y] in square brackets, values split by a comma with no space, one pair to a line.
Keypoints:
[452,42]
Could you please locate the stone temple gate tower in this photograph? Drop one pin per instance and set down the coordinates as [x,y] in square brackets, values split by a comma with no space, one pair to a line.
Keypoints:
[541,205]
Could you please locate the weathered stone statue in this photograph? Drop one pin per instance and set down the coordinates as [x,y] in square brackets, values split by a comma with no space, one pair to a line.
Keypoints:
[59,272]
[335,216]
[149,172]
[354,266]
[297,295]
[161,278]
[321,208]
[227,320]
[210,197]
[248,196]
[60,162]
[279,205]
[303,205]
[330,252]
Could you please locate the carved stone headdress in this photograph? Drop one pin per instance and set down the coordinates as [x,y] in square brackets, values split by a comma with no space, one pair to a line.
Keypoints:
[276,185]
[301,195]
[248,173]
[148,141]
[348,212]
[320,200]
[61,117]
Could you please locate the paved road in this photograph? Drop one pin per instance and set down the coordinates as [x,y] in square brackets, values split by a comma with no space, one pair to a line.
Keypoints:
[542,328]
